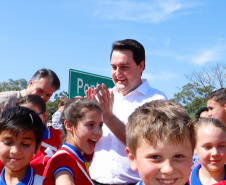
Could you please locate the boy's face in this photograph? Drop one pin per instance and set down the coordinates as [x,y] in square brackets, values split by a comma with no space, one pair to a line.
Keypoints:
[17,152]
[216,110]
[211,147]
[163,163]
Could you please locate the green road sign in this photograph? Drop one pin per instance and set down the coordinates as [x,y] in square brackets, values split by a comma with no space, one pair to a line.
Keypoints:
[80,81]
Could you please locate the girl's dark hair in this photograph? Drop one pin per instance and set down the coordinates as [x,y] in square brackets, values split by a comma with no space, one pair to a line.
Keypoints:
[75,110]
[17,119]
[34,100]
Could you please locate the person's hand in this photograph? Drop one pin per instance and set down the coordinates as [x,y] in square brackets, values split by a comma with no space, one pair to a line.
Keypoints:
[90,94]
[106,100]
[104,97]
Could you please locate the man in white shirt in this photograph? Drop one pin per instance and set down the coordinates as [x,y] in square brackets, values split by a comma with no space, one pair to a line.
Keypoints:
[110,164]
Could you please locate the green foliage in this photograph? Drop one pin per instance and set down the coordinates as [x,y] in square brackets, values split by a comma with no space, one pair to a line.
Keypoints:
[193,95]
[13,85]
[52,106]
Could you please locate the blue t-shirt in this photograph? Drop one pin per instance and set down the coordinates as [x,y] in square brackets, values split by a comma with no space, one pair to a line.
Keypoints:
[194,178]
[28,179]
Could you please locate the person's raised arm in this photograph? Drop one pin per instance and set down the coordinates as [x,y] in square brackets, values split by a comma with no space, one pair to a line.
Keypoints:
[106,100]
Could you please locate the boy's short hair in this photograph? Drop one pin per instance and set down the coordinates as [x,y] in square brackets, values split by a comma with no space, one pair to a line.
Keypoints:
[200,111]
[159,120]
[218,96]
[17,119]
[63,101]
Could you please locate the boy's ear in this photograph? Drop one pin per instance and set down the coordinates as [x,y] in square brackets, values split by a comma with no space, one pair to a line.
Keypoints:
[132,159]
[68,126]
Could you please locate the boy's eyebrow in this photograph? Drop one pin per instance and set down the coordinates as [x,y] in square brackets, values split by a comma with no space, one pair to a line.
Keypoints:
[28,138]
[6,137]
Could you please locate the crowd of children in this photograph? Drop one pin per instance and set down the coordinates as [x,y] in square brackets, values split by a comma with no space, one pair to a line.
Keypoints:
[161,142]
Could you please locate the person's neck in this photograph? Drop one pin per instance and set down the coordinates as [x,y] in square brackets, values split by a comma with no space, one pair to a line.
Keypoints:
[211,177]
[131,90]
[12,177]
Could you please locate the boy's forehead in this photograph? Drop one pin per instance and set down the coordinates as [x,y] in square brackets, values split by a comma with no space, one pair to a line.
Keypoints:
[25,134]
[211,103]
[157,143]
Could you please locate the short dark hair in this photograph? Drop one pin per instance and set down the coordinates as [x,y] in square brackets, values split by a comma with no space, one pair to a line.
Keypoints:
[133,45]
[218,96]
[52,77]
[18,119]
[198,113]
[34,100]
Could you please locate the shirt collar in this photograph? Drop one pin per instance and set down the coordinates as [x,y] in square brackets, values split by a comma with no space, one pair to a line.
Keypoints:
[142,88]
[74,151]
[47,133]
[27,180]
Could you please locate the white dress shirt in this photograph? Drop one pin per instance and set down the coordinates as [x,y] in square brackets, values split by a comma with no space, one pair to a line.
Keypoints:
[110,164]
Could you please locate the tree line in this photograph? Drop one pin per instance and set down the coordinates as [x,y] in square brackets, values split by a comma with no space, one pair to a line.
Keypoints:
[192,95]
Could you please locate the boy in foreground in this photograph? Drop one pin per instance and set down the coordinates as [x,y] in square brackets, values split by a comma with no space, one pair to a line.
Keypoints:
[160,143]
[20,139]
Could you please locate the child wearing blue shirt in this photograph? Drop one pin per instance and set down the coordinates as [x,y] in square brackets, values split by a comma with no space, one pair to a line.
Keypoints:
[20,139]
[211,150]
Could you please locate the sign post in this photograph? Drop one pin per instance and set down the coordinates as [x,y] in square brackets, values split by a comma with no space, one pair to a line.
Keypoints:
[80,81]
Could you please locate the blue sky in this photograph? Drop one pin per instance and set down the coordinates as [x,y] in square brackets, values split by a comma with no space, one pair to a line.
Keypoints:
[179,37]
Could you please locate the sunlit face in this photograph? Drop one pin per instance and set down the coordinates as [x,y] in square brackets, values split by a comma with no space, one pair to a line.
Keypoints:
[17,151]
[41,88]
[126,74]
[216,110]
[211,147]
[88,132]
[42,115]
[163,164]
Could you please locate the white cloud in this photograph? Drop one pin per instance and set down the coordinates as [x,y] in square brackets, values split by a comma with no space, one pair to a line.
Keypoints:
[147,76]
[149,11]
[162,76]
[208,55]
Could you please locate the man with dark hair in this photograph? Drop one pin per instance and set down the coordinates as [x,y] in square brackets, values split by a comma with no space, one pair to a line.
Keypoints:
[110,164]
[43,83]
[201,113]
[216,103]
